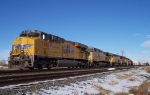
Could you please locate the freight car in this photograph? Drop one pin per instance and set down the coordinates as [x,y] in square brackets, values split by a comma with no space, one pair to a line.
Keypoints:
[37,49]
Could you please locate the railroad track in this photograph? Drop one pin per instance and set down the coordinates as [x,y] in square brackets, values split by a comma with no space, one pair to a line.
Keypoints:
[4,72]
[32,77]
[10,72]
[31,72]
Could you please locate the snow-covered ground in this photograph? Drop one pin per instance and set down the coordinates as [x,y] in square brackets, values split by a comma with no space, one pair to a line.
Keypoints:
[110,83]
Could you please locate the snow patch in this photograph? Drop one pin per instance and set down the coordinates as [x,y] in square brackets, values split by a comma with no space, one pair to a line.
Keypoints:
[111,69]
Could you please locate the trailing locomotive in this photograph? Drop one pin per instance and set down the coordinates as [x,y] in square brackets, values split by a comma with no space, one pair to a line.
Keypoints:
[37,49]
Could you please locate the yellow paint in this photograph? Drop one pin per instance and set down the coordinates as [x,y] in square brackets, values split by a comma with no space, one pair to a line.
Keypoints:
[111,59]
[47,48]
[97,56]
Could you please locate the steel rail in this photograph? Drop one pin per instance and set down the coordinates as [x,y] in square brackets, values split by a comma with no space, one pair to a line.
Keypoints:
[38,77]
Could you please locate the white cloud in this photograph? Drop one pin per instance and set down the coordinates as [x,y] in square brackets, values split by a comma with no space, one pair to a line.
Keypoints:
[148,36]
[137,34]
[146,44]
[4,54]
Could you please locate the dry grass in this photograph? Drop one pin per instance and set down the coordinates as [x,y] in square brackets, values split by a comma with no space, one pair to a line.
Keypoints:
[102,90]
[131,79]
[143,68]
[148,78]
[124,76]
[147,69]
[121,93]
[143,89]
[108,92]
[113,83]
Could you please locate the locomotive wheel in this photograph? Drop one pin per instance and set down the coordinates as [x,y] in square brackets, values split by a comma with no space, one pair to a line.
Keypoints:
[40,67]
[31,68]
[21,66]
[107,65]
[120,65]
[84,66]
[48,66]
[113,65]
[80,66]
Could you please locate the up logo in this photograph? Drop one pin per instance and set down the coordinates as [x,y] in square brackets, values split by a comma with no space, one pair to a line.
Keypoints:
[23,46]
[69,49]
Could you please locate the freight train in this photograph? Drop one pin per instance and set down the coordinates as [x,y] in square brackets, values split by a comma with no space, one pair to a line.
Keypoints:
[37,49]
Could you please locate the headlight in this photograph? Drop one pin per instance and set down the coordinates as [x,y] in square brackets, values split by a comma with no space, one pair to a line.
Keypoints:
[22,51]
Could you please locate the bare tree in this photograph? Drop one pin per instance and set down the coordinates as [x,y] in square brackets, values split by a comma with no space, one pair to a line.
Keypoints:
[3,63]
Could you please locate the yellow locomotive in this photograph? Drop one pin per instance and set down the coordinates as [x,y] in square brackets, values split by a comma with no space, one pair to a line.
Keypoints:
[37,49]
[97,57]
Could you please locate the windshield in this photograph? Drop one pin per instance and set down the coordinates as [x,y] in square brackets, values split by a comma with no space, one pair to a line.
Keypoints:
[29,34]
